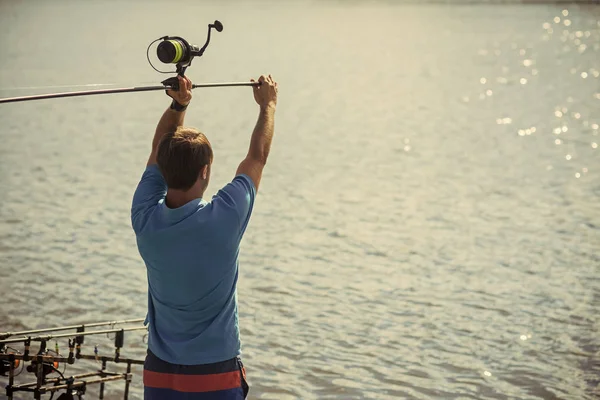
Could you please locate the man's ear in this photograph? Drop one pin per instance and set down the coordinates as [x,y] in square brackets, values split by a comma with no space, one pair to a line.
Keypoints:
[204,172]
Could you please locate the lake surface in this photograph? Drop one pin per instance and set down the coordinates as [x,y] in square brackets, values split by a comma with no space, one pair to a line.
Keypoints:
[428,226]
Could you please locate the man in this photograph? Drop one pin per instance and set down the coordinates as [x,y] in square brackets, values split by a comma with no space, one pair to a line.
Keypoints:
[190,247]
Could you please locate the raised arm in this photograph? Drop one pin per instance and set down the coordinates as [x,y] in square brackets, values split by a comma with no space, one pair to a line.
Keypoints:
[173,117]
[260,142]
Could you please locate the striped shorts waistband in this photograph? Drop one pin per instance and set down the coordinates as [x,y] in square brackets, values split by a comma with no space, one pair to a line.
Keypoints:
[161,376]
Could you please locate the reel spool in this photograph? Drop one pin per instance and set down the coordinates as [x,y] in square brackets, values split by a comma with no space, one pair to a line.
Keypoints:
[5,365]
[47,367]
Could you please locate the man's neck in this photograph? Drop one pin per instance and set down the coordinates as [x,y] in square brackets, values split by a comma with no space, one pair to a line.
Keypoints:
[178,198]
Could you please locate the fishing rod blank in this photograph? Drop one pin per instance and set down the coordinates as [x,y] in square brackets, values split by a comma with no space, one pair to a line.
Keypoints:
[45,338]
[5,335]
[118,90]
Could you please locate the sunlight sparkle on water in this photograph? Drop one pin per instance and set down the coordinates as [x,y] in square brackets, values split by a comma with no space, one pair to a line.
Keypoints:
[594,145]
[594,126]
[556,20]
[577,175]
[565,128]
[483,81]
[488,92]
[527,63]
[584,75]
[523,81]
[557,131]
[567,22]
[565,13]
[568,157]
[528,131]
[557,141]
[558,113]
[487,373]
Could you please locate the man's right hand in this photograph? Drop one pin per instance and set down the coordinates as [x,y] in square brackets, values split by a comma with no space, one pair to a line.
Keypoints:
[184,95]
[266,93]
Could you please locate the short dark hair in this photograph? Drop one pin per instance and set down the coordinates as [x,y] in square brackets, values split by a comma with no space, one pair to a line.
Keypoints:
[182,155]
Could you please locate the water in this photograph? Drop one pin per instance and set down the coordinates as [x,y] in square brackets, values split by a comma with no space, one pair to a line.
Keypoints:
[428,224]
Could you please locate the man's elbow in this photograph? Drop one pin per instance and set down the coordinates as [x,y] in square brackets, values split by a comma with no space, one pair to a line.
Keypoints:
[259,158]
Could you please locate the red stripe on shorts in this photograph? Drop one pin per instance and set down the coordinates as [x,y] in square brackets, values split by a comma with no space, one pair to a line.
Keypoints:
[193,383]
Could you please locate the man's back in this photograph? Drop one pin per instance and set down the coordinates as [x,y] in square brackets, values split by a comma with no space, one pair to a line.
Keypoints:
[190,248]
[191,255]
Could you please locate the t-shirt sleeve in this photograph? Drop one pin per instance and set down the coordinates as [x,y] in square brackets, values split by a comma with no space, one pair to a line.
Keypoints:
[151,189]
[235,202]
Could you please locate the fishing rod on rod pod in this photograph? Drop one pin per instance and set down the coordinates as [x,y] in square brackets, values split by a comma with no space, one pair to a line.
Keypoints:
[171,50]
[45,361]
[80,327]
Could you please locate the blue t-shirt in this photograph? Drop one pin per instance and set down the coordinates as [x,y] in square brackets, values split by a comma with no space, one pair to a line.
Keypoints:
[191,256]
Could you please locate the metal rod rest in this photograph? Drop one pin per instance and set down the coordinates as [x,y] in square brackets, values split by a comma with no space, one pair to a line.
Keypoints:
[81,383]
[66,359]
[57,380]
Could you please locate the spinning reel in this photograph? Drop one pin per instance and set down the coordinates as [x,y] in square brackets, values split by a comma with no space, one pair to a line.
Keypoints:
[176,50]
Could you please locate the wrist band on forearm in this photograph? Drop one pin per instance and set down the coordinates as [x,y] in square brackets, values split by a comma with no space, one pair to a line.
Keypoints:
[177,107]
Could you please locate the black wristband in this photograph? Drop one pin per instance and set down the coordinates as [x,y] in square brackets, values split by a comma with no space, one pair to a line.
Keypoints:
[177,107]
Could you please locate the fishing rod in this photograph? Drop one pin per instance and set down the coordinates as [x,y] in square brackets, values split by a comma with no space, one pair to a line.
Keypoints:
[4,335]
[118,90]
[67,335]
[171,50]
